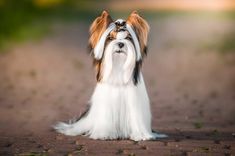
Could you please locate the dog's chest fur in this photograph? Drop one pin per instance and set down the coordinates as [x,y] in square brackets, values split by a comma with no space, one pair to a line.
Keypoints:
[116,75]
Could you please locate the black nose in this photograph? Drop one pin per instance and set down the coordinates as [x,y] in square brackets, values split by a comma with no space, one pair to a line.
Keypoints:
[120,44]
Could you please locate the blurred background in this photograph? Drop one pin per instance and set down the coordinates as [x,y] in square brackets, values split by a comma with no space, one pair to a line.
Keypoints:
[46,74]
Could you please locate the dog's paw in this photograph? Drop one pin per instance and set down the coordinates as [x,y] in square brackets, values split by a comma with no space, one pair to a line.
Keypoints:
[159,136]
[152,136]
[142,137]
[64,128]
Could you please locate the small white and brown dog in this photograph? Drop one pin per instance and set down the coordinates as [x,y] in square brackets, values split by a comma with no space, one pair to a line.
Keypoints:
[119,106]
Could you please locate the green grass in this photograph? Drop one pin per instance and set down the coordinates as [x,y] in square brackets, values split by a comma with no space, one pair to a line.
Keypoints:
[198,125]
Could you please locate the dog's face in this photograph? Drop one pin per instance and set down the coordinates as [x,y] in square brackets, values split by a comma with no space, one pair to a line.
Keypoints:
[119,38]
[120,43]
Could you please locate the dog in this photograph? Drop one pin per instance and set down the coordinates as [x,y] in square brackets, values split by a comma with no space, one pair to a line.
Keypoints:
[119,106]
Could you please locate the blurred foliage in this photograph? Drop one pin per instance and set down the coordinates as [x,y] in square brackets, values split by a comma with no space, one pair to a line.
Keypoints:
[29,19]
[222,44]
[227,45]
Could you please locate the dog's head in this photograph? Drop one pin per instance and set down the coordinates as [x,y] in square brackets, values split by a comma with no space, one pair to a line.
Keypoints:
[110,40]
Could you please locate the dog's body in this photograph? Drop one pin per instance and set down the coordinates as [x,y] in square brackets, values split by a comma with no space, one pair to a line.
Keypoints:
[119,107]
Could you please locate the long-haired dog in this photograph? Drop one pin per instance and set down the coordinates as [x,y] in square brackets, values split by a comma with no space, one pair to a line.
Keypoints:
[119,106]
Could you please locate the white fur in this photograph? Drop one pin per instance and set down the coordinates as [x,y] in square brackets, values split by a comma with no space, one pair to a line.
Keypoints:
[121,35]
[116,112]
[120,20]
[118,108]
[136,42]
[118,67]
[99,48]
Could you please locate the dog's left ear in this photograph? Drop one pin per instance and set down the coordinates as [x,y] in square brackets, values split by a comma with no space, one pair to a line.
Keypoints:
[98,27]
[141,29]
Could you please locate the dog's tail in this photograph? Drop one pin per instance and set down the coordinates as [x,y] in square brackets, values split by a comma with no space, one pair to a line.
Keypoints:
[72,128]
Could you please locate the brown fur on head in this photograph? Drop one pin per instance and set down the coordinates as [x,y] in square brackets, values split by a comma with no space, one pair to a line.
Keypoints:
[101,23]
[98,27]
[141,28]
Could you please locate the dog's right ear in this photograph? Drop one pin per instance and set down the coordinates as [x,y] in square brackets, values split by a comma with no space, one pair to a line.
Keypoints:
[98,27]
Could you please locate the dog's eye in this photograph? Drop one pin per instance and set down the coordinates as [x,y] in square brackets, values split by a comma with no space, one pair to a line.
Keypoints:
[110,38]
[129,38]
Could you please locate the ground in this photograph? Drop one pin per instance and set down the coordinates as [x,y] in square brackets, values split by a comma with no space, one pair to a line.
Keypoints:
[191,87]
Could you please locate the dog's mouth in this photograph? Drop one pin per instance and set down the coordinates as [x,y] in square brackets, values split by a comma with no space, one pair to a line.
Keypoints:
[120,51]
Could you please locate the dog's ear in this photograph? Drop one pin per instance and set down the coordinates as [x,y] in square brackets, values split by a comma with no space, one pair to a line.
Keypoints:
[141,29]
[98,27]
